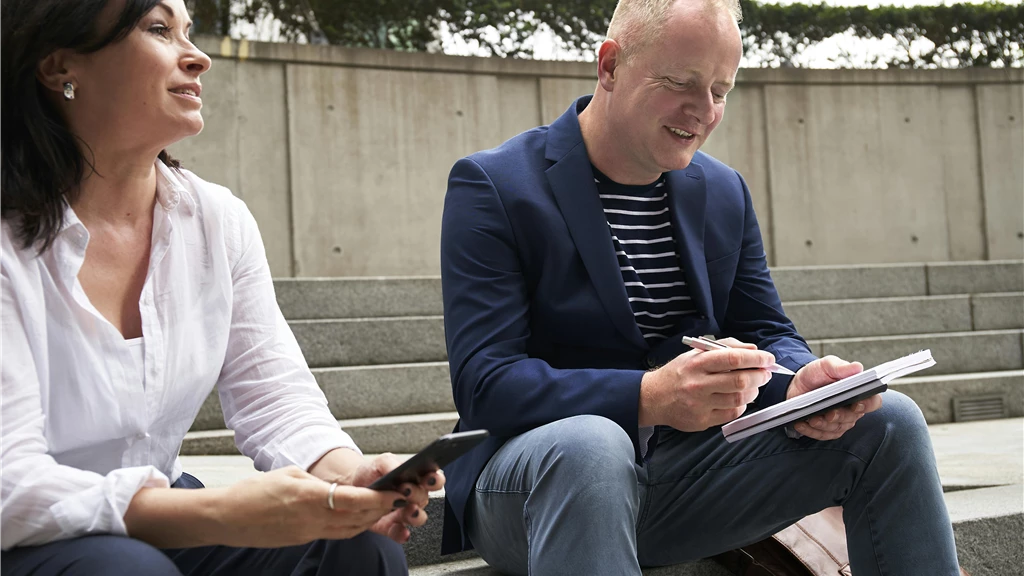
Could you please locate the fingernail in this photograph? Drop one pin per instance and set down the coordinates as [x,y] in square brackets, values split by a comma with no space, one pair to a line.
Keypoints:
[407,492]
[416,514]
[432,481]
[859,407]
[399,503]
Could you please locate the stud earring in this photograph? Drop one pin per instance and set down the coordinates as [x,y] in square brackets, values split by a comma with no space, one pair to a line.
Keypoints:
[69,91]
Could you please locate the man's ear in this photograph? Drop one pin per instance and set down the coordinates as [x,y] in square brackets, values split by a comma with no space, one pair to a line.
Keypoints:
[54,70]
[609,56]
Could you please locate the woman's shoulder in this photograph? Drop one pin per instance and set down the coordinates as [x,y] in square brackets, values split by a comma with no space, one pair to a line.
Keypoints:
[213,202]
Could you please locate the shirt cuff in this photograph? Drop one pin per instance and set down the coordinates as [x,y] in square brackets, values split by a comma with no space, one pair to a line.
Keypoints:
[775,390]
[100,509]
[306,447]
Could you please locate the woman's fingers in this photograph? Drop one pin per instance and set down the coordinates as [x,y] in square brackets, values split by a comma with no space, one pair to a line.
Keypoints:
[433,481]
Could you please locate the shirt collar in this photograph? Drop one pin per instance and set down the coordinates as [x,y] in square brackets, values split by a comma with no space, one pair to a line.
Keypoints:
[172,189]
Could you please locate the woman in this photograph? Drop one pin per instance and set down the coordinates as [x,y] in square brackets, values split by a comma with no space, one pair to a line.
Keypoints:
[130,288]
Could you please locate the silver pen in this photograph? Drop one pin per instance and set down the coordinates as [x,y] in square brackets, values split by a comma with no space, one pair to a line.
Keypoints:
[702,343]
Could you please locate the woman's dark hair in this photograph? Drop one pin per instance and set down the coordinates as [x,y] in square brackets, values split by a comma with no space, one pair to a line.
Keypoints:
[42,165]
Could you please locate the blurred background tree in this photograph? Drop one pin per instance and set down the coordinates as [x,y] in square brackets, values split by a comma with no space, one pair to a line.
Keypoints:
[950,36]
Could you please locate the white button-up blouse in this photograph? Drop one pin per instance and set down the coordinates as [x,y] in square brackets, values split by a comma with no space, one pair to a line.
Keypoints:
[81,433]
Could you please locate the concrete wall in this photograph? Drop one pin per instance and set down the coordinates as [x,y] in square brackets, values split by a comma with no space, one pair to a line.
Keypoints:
[343,154]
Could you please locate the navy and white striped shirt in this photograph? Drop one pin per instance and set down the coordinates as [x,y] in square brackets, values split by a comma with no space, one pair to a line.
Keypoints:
[641,228]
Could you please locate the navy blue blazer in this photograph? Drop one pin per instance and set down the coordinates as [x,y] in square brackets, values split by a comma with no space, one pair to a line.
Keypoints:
[536,317]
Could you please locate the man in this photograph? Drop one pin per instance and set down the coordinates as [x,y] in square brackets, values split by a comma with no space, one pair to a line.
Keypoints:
[573,259]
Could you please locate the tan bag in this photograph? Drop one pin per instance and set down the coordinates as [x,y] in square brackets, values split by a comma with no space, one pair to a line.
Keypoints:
[814,546]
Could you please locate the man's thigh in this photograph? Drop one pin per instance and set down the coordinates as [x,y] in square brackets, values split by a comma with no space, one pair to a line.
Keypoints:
[550,481]
[703,496]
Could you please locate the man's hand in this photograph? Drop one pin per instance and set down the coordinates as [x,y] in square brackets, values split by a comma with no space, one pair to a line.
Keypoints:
[698,390]
[834,423]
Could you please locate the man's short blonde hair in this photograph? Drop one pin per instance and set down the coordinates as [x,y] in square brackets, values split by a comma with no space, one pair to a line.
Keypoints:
[635,23]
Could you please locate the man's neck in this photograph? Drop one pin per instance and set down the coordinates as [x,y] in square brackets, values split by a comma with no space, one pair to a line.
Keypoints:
[605,148]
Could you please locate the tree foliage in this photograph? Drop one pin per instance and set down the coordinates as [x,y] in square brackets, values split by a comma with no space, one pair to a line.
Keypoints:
[958,35]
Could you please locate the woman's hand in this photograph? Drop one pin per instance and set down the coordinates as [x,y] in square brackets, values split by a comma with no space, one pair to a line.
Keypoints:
[396,524]
[289,507]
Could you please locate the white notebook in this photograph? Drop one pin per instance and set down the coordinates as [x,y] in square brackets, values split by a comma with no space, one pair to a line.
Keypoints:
[841,393]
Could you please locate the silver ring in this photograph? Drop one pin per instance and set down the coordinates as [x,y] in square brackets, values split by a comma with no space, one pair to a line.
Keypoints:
[330,495]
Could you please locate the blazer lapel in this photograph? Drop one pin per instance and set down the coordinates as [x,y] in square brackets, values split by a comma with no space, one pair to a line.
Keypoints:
[687,190]
[572,182]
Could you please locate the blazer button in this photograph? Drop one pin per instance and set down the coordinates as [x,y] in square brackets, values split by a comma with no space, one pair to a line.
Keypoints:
[651,362]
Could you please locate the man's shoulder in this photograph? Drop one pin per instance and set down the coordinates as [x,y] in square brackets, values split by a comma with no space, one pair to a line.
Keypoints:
[716,172]
[517,153]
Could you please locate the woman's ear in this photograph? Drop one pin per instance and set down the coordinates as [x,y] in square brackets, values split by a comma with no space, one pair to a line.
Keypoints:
[55,70]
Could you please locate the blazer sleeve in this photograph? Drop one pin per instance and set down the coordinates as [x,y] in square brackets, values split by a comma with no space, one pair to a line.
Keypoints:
[495,383]
[755,311]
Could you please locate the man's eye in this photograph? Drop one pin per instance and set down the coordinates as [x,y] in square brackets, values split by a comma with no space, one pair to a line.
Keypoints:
[719,97]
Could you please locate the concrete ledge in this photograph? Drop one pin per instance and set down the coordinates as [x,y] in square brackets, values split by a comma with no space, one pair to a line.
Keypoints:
[954,352]
[880,316]
[321,298]
[385,434]
[997,311]
[934,394]
[979,454]
[988,524]
[796,283]
[975,277]
[374,341]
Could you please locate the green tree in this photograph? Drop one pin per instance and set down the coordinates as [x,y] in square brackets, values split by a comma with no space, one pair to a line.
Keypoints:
[959,35]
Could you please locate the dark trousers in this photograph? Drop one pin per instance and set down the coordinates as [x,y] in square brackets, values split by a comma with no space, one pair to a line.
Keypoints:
[367,554]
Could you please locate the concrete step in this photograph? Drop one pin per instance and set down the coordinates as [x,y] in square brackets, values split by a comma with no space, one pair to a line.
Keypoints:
[314,298]
[377,341]
[407,433]
[425,388]
[987,525]
[371,341]
[322,298]
[935,394]
[367,391]
[954,352]
[880,316]
[975,277]
[969,455]
[997,311]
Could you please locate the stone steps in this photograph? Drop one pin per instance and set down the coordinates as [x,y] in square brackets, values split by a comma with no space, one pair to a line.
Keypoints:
[407,389]
[954,352]
[312,298]
[402,340]
[970,456]
[405,433]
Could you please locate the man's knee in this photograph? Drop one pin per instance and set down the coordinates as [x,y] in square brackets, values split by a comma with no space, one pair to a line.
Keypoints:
[114,555]
[591,445]
[900,424]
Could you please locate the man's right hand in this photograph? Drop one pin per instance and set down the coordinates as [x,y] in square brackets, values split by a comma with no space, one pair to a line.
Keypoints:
[698,390]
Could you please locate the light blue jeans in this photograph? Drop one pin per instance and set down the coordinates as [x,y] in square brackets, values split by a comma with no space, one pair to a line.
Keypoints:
[568,498]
